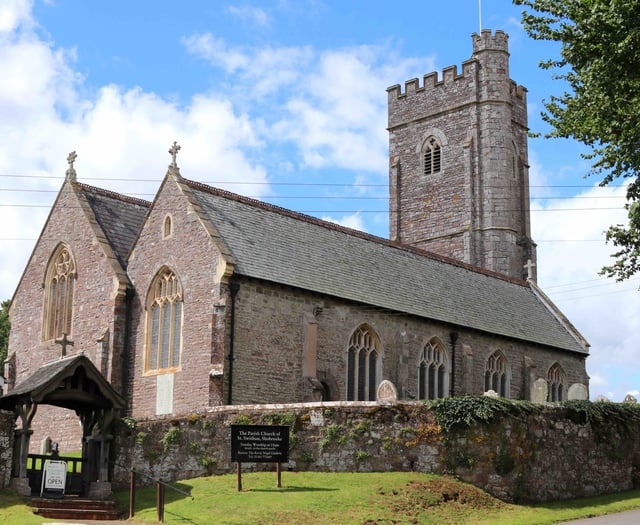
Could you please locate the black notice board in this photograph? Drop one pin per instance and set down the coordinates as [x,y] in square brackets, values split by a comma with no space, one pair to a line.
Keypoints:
[259,444]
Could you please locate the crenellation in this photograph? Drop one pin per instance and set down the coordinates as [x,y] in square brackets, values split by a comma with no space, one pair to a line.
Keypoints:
[480,119]
[458,173]
[488,41]
[432,80]
[518,91]
[412,86]
[450,73]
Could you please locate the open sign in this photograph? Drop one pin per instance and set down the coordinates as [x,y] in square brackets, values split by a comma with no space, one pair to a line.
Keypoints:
[54,479]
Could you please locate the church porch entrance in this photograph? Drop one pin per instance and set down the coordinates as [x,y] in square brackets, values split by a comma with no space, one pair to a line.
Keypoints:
[72,383]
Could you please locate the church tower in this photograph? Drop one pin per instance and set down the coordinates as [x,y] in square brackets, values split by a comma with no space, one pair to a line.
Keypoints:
[458,177]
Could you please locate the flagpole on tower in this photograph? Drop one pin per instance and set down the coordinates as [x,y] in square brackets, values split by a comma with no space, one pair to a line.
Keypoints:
[480,15]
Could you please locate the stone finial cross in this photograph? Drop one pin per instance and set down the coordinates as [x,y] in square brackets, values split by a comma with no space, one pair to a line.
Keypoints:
[529,267]
[71,158]
[64,342]
[70,175]
[173,150]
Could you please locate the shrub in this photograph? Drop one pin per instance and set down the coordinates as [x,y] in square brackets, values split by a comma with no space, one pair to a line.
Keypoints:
[171,437]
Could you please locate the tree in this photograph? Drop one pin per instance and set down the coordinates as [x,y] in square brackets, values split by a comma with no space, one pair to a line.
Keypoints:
[600,62]
[4,332]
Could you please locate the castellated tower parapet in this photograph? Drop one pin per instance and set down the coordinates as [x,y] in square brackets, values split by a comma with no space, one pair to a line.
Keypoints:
[459,182]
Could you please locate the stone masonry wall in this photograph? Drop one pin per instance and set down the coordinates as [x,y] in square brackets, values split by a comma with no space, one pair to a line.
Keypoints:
[97,299]
[6,447]
[269,352]
[514,458]
[189,384]
[475,208]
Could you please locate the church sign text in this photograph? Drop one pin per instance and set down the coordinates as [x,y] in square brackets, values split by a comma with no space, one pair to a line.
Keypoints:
[259,444]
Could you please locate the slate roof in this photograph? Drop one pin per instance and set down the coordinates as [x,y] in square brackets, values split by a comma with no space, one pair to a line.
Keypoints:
[288,248]
[49,377]
[119,216]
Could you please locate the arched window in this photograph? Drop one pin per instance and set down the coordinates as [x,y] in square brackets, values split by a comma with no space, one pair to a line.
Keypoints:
[431,156]
[59,282]
[167,227]
[363,358]
[496,374]
[557,383]
[433,371]
[164,323]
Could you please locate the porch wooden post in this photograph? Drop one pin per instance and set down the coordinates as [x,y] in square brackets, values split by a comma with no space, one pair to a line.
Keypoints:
[26,411]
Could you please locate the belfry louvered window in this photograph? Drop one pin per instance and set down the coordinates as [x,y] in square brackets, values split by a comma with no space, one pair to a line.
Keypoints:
[431,156]
[433,371]
[363,357]
[59,284]
[164,323]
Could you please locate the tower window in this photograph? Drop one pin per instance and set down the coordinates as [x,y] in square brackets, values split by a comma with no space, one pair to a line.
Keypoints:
[431,156]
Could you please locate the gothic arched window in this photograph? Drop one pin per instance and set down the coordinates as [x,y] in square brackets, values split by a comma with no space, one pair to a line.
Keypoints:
[59,283]
[363,359]
[164,323]
[433,371]
[496,374]
[431,156]
[557,383]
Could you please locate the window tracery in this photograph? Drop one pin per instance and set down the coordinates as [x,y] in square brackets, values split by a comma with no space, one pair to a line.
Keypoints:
[496,374]
[362,365]
[164,323]
[557,383]
[59,285]
[433,371]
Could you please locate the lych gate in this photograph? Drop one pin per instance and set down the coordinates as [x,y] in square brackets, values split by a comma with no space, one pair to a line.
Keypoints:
[76,384]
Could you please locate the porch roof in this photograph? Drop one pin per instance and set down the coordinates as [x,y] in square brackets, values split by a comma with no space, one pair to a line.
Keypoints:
[72,382]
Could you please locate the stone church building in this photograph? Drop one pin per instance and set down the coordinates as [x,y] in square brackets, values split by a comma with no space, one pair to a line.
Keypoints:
[203,297]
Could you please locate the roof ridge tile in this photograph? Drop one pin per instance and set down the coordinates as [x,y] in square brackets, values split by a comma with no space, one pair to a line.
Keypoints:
[112,194]
[348,231]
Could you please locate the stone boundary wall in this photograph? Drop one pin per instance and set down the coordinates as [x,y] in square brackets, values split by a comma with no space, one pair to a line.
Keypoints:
[544,455]
[7,423]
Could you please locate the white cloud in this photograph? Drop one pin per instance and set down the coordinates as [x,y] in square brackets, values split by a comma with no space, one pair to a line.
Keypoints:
[121,137]
[335,112]
[216,52]
[571,252]
[263,71]
[353,221]
[254,15]
[327,109]
[338,117]
[14,13]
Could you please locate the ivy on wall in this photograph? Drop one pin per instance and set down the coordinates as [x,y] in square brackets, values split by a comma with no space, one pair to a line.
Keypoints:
[458,413]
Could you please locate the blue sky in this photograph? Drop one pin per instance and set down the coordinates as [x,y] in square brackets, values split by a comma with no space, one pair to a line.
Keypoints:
[285,101]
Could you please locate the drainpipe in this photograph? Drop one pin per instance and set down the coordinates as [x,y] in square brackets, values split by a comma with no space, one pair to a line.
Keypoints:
[453,336]
[234,286]
[128,314]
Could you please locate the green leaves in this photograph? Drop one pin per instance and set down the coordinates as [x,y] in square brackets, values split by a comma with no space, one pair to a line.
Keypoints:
[462,412]
[600,63]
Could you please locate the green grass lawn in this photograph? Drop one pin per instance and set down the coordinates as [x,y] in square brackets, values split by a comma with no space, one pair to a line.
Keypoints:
[326,498]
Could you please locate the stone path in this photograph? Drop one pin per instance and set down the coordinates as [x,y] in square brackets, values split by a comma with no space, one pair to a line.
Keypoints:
[631,517]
